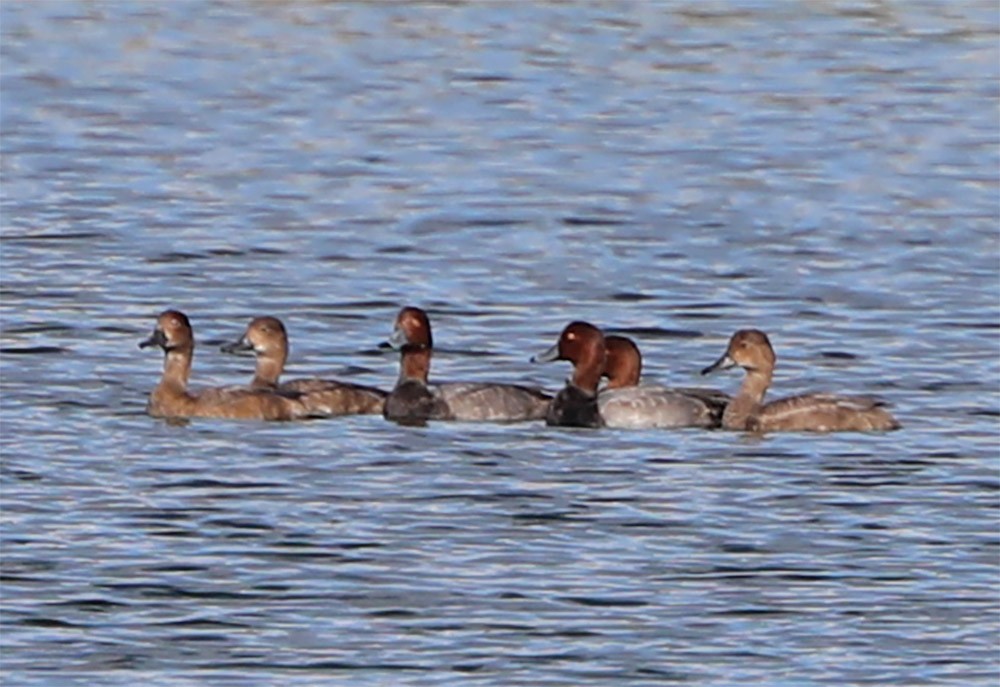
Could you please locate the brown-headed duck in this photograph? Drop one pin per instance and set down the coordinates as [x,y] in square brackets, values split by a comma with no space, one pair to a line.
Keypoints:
[267,339]
[582,344]
[171,398]
[624,404]
[414,400]
[751,350]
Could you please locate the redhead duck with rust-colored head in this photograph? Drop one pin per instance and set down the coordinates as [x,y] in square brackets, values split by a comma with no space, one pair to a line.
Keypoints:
[267,339]
[582,344]
[751,350]
[416,400]
[171,398]
[624,403]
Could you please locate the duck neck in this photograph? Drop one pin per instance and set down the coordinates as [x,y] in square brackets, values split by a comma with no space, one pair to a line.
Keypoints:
[269,369]
[616,382]
[622,372]
[177,368]
[587,372]
[748,401]
[414,364]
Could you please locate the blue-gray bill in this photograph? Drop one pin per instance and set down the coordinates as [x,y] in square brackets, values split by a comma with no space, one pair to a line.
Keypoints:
[237,347]
[548,356]
[157,338]
[723,363]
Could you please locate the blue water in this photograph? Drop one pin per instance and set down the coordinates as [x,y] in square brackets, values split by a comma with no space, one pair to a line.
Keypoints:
[827,172]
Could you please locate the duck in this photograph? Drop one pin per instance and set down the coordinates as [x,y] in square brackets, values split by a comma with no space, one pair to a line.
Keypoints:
[815,412]
[414,400]
[576,404]
[624,403]
[172,399]
[267,338]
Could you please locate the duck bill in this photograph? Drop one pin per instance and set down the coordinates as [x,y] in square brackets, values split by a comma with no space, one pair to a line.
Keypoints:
[548,356]
[158,338]
[237,347]
[723,363]
[397,340]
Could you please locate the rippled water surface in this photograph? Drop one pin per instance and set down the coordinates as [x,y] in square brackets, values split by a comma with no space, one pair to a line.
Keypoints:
[826,171]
